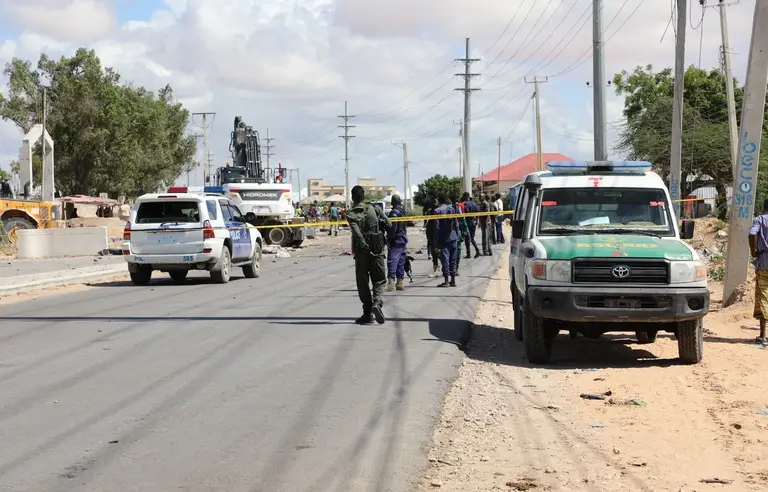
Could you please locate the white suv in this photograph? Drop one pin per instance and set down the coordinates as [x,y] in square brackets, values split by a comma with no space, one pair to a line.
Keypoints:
[179,232]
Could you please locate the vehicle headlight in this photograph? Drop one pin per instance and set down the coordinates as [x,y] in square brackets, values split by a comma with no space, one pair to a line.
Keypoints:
[682,272]
[555,271]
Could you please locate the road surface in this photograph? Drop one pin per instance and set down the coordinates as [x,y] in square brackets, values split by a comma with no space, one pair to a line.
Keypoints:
[257,385]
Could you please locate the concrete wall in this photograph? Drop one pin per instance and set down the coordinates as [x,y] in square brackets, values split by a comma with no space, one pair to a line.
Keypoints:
[54,243]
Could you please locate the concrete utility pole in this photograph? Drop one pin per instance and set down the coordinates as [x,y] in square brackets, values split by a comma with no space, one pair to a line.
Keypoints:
[467,90]
[206,156]
[598,81]
[346,126]
[743,201]
[536,81]
[732,125]
[676,156]
[407,202]
[268,146]
[461,162]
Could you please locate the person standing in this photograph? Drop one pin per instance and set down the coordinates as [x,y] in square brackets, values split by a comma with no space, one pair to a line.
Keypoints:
[368,224]
[499,219]
[485,221]
[758,245]
[433,248]
[334,211]
[470,207]
[447,238]
[398,240]
[462,231]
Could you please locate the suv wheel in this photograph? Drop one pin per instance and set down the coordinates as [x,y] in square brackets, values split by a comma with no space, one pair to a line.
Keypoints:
[223,268]
[538,346]
[252,269]
[646,336]
[141,275]
[690,341]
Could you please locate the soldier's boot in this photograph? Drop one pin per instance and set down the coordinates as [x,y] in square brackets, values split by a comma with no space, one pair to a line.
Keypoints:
[378,314]
[365,319]
[434,274]
[399,285]
[453,282]
[390,285]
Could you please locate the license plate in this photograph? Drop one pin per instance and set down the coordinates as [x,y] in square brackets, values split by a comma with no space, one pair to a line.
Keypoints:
[622,303]
[167,240]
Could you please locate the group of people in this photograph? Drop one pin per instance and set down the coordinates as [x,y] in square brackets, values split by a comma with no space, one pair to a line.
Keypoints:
[373,233]
[445,236]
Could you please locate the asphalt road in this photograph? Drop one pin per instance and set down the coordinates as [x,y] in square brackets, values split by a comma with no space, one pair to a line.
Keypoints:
[257,385]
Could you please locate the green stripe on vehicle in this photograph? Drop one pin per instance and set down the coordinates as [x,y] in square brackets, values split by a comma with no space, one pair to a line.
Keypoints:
[614,246]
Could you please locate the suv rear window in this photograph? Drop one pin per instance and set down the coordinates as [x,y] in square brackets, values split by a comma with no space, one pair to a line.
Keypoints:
[168,211]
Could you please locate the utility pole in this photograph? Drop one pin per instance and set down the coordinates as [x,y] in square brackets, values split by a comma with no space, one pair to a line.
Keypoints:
[206,155]
[44,180]
[461,162]
[744,188]
[269,147]
[676,157]
[467,90]
[408,202]
[732,126]
[346,126]
[598,81]
[536,81]
[498,168]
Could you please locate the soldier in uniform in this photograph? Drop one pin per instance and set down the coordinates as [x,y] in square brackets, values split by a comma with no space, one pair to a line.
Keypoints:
[398,240]
[367,224]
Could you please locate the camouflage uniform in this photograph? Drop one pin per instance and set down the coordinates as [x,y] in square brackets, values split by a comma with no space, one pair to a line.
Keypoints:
[368,224]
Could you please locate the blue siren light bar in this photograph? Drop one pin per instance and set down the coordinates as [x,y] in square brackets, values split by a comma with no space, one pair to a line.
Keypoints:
[214,189]
[589,167]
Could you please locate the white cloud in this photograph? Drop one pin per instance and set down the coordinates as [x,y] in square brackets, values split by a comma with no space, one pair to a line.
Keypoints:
[290,65]
[68,21]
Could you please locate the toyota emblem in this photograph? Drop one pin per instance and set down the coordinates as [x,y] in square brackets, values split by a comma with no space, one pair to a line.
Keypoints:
[620,271]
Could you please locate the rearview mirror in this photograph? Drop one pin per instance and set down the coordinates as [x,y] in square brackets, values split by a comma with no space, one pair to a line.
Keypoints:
[517,229]
[686,229]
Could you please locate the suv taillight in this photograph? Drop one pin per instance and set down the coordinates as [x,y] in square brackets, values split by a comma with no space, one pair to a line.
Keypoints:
[208,230]
[127,232]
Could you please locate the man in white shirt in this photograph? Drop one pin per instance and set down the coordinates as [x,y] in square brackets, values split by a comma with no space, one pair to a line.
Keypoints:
[499,219]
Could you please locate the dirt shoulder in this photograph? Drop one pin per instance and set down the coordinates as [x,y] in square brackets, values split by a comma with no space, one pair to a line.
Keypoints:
[509,426]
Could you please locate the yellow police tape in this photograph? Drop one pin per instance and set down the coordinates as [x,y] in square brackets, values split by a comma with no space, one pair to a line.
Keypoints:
[415,218]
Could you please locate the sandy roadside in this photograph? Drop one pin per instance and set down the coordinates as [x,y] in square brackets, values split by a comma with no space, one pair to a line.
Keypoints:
[509,426]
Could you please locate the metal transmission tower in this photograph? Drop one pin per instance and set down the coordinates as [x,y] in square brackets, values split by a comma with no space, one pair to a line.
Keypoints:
[268,146]
[206,154]
[467,90]
[598,80]
[346,126]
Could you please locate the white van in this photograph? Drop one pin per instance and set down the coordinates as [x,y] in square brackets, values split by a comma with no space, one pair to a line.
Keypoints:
[179,232]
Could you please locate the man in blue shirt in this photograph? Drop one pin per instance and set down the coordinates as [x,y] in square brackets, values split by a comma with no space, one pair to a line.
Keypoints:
[470,207]
[447,239]
[398,240]
[758,245]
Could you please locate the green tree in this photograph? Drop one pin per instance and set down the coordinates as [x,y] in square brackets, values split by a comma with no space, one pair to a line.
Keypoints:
[4,174]
[706,139]
[108,137]
[435,185]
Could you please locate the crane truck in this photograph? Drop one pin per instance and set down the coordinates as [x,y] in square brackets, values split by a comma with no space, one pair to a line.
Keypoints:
[259,193]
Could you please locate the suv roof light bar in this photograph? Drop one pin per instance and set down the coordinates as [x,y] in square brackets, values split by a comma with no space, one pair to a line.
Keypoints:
[592,167]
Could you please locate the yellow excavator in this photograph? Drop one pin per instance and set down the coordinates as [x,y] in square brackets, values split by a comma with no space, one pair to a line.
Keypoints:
[16,214]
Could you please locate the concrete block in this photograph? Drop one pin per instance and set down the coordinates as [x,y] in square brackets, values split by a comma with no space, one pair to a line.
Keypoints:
[54,243]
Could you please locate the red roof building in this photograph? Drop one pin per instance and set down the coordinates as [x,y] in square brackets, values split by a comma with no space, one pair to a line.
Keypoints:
[514,171]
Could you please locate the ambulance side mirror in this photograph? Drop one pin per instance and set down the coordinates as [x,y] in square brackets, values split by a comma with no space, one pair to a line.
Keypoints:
[686,229]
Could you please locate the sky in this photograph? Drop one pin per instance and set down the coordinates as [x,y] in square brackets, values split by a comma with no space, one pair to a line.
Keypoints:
[290,65]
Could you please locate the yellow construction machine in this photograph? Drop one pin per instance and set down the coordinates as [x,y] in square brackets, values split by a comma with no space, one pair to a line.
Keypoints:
[18,214]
